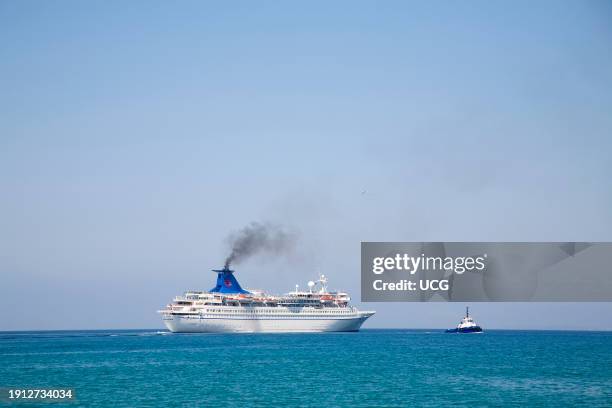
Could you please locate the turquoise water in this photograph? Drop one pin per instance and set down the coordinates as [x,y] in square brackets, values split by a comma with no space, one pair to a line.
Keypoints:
[366,369]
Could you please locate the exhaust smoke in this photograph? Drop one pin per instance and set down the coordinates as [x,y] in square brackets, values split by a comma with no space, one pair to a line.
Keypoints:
[258,238]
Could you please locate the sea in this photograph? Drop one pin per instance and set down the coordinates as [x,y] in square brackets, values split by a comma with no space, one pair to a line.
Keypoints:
[370,368]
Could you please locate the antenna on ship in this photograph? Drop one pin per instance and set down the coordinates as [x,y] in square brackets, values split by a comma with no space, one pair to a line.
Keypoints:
[310,285]
[467,311]
[323,281]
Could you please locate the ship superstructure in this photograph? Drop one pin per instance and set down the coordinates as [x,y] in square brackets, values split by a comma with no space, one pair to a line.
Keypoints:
[229,308]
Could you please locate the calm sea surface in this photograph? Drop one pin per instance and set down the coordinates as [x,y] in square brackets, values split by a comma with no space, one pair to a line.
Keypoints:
[366,369]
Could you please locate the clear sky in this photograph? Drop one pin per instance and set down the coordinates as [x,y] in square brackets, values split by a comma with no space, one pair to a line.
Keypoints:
[135,136]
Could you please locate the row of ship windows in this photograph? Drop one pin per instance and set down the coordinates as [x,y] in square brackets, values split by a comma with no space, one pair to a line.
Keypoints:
[270,311]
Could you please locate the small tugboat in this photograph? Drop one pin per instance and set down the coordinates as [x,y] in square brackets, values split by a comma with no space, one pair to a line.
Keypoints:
[467,325]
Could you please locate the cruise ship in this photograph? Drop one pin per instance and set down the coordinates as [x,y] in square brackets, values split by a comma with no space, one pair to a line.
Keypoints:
[229,308]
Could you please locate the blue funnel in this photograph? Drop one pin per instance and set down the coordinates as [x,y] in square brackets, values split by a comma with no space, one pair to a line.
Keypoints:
[226,282]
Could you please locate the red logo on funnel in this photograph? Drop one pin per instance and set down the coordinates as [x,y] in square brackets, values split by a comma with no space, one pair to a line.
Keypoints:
[227,283]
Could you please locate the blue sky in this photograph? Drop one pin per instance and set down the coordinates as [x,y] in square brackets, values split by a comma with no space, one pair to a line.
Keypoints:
[135,137]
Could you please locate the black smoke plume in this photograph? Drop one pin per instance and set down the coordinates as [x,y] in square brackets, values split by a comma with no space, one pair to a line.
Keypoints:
[258,238]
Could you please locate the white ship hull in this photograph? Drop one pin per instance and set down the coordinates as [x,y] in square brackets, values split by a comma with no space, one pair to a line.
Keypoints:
[201,324]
